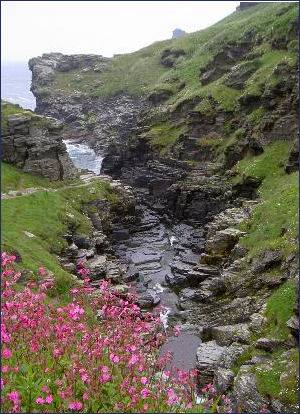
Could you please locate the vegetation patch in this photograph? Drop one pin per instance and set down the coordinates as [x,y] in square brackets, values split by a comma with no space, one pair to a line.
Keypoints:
[142,72]
[42,220]
[264,76]
[256,116]
[280,307]
[14,179]
[163,136]
[274,221]
[279,379]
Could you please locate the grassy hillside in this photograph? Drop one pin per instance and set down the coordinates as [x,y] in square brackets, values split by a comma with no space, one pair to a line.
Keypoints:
[34,225]
[142,72]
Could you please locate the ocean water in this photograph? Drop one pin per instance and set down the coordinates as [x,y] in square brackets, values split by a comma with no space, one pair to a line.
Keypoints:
[15,84]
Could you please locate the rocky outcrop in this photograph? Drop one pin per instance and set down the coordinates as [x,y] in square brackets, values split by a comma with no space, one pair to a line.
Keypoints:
[98,120]
[34,144]
[178,33]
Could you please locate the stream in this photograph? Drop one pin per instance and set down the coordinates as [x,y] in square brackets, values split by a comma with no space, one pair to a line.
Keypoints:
[155,252]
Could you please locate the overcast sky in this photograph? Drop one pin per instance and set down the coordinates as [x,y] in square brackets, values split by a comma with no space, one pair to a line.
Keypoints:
[30,28]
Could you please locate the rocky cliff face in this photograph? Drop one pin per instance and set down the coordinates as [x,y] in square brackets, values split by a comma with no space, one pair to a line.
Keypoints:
[34,144]
[209,145]
[96,119]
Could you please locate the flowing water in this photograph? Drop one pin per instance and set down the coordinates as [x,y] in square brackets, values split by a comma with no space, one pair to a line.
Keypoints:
[150,248]
[84,157]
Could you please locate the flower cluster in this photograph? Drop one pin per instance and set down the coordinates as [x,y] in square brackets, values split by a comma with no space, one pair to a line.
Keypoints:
[97,353]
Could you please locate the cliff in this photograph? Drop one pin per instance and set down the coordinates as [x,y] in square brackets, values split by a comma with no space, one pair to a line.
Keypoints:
[204,128]
[33,143]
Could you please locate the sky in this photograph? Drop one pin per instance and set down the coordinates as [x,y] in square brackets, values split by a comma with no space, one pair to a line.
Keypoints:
[31,28]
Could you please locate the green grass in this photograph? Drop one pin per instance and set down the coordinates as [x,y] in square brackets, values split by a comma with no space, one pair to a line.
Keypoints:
[268,378]
[15,179]
[163,136]
[8,109]
[279,310]
[278,211]
[141,72]
[264,75]
[48,215]
[256,116]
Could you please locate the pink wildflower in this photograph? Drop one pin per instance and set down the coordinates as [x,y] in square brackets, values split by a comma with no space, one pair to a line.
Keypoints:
[75,406]
[44,388]
[5,369]
[144,380]
[105,369]
[75,312]
[13,396]
[105,378]
[114,358]
[40,400]
[133,360]
[176,330]
[49,399]
[42,271]
[145,393]
[6,353]
[172,397]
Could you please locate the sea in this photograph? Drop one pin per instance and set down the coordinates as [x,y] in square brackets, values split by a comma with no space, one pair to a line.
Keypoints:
[15,84]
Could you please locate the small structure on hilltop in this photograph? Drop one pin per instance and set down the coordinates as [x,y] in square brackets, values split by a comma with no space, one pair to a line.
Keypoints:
[178,33]
[246,4]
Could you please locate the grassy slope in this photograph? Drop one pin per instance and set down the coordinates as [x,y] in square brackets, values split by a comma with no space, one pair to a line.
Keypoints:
[47,216]
[141,72]
[278,210]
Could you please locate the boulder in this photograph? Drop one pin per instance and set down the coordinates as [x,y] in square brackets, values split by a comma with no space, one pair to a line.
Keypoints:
[256,322]
[268,344]
[223,379]
[223,241]
[97,267]
[148,300]
[208,358]
[231,354]
[292,163]
[248,399]
[169,57]
[293,324]
[267,260]
[225,335]
[240,73]
[82,241]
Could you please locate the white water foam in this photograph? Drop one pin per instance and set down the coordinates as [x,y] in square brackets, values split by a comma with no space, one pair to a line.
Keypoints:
[84,157]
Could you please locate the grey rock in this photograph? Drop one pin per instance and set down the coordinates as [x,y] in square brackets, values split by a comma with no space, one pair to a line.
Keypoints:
[223,379]
[231,354]
[267,260]
[34,144]
[148,300]
[208,358]
[225,335]
[223,241]
[69,267]
[256,322]
[97,267]
[268,344]
[293,324]
[72,251]
[245,391]
[82,241]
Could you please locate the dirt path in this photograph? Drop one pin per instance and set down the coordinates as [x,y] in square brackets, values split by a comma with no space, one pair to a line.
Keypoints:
[86,178]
